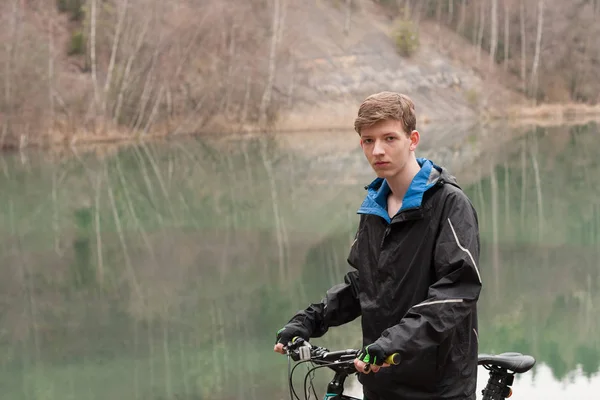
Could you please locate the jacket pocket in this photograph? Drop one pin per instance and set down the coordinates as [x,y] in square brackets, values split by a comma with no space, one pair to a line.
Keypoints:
[420,372]
[444,353]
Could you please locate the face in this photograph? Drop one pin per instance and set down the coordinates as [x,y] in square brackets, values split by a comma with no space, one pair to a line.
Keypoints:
[388,148]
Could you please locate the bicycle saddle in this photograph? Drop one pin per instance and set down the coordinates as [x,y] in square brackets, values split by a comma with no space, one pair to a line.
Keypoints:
[516,362]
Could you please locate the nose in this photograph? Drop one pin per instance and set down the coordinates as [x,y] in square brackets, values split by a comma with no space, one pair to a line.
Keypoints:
[378,148]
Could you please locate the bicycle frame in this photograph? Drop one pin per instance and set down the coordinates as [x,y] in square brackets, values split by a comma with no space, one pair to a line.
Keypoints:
[335,388]
[497,387]
[339,397]
[502,367]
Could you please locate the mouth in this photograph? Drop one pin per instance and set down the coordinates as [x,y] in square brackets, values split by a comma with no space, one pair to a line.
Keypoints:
[381,163]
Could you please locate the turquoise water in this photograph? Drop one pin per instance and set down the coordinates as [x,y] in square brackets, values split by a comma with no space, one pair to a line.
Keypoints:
[162,271]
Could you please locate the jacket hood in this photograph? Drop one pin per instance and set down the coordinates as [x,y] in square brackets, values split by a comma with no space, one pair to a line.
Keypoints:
[429,175]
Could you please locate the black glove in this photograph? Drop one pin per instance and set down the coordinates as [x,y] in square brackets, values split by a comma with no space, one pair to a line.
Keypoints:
[372,354]
[286,334]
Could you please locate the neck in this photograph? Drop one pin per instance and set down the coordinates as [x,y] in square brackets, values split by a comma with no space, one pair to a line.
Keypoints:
[399,183]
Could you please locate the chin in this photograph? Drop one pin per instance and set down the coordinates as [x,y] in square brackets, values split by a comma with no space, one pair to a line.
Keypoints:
[383,174]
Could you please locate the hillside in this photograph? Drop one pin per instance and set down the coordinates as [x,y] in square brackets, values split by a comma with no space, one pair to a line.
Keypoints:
[92,70]
[334,71]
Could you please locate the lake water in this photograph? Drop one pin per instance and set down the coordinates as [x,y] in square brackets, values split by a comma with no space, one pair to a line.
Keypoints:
[162,271]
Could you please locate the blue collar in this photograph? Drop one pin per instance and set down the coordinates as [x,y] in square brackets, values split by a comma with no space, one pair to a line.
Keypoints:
[375,202]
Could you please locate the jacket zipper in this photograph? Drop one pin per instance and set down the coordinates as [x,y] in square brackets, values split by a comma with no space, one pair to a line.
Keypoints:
[395,220]
[388,228]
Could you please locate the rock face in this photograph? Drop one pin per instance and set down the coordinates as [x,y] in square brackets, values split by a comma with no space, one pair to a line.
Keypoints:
[328,72]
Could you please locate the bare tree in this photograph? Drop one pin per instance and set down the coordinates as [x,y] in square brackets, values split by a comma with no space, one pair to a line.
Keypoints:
[463,16]
[523,45]
[481,30]
[494,34]
[93,19]
[10,48]
[348,16]
[154,66]
[51,67]
[266,98]
[506,33]
[407,8]
[125,82]
[438,11]
[291,85]
[113,55]
[244,113]
[565,28]
[538,46]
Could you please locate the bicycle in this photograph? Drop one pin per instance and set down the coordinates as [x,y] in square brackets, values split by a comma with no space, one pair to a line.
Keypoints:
[503,368]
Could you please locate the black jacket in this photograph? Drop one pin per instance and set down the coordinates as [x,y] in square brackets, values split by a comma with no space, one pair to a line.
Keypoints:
[416,285]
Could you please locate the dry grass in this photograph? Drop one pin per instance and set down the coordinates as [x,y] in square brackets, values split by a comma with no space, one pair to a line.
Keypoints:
[553,114]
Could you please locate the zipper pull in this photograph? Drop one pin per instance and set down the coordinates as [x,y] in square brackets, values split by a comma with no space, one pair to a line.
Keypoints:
[387,232]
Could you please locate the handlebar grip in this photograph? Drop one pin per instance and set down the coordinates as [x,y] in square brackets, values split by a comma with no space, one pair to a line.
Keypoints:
[393,359]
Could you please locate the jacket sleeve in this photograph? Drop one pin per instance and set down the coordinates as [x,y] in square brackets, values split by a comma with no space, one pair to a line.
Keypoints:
[453,295]
[340,305]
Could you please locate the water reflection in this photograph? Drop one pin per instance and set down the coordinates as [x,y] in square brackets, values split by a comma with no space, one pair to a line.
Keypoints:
[543,249]
[162,271]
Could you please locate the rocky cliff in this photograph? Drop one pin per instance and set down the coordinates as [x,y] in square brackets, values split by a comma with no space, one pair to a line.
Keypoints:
[330,69]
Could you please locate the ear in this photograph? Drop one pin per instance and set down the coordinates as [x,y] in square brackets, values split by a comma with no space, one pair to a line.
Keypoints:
[361,142]
[414,140]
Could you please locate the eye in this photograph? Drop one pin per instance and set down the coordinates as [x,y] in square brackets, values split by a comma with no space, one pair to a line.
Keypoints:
[367,141]
[390,138]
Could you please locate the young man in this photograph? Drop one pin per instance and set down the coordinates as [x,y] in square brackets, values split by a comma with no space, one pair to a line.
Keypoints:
[415,281]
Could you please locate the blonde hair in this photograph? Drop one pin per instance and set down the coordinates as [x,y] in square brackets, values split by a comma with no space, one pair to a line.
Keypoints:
[386,106]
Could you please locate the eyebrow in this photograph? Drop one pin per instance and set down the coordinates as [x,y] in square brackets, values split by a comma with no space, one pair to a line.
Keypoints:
[383,134]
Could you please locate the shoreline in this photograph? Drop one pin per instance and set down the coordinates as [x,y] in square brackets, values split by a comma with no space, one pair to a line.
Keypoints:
[544,115]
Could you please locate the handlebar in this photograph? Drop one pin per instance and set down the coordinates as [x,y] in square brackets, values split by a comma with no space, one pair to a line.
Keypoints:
[301,350]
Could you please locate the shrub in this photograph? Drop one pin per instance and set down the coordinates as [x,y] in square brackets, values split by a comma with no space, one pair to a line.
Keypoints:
[62,5]
[406,37]
[73,7]
[472,97]
[77,46]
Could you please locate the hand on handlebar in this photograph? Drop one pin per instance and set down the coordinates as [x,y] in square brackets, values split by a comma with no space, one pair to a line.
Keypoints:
[372,358]
[285,336]
[365,368]
[279,348]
